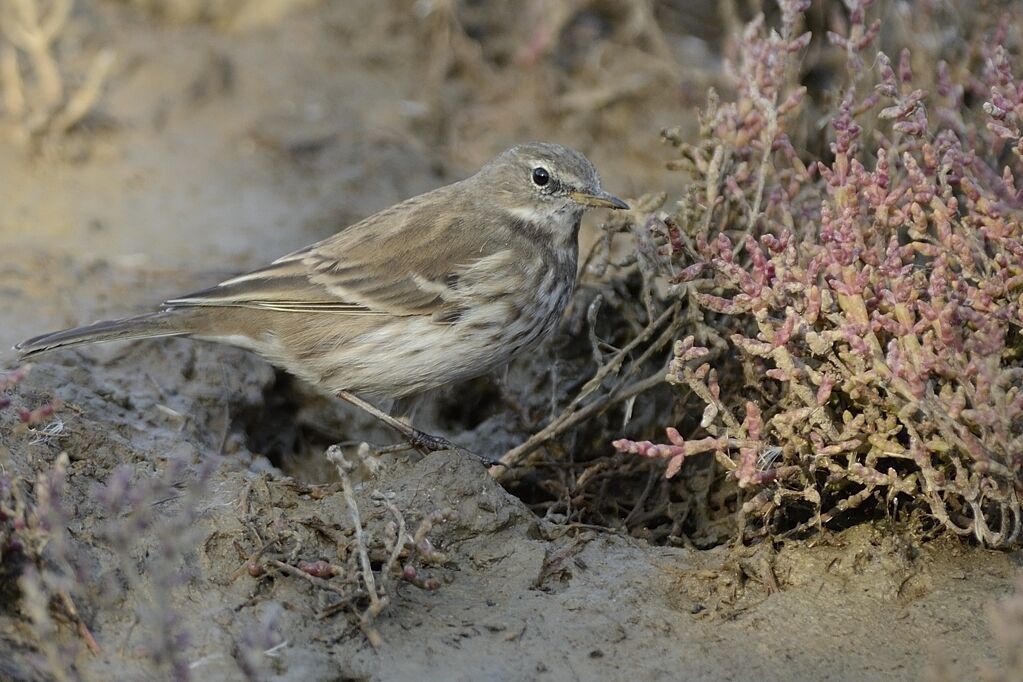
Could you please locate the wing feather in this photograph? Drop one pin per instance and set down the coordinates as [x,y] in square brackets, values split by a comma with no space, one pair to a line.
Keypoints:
[403,261]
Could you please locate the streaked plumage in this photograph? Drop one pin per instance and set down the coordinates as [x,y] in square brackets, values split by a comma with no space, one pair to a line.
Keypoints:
[442,287]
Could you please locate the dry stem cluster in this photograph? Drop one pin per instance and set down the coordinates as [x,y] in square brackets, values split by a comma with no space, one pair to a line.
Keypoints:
[360,579]
[38,102]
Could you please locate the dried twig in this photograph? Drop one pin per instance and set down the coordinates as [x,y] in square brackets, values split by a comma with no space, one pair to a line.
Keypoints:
[576,413]
[43,107]
[378,600]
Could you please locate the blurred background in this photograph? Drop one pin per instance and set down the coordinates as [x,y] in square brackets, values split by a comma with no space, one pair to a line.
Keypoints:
[153,146]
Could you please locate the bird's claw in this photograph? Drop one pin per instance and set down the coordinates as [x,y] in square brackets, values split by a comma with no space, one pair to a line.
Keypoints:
[426,443]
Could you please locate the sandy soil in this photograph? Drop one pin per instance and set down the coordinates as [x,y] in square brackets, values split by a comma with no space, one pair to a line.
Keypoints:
[216,150]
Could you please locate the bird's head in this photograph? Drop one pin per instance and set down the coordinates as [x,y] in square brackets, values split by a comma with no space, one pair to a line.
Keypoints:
[545,184]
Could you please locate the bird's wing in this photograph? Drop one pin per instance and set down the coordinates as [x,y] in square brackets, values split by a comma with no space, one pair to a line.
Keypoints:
[405,260]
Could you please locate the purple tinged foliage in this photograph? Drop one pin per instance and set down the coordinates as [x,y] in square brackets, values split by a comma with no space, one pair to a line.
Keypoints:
[871,298]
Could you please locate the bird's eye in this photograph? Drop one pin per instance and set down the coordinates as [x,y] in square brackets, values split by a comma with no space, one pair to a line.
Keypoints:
[540,176]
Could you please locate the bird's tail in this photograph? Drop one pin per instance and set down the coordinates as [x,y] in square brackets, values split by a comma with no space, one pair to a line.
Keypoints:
[150,325]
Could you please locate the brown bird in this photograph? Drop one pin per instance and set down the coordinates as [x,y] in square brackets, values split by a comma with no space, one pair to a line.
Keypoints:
[442,287]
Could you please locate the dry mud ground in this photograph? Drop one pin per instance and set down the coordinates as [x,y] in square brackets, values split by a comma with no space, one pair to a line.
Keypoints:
[217,149]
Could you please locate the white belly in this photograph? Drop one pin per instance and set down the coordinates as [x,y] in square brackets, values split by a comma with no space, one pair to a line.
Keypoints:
[410,355]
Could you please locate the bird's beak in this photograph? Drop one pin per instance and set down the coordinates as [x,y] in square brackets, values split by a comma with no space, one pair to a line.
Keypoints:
[599,200]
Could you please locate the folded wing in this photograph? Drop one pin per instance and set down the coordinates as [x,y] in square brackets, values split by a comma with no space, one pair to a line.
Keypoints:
[406,260]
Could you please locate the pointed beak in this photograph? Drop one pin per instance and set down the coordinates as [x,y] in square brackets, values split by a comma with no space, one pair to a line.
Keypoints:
[599,200]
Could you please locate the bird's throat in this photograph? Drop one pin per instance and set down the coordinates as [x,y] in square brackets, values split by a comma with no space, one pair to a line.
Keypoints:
[558,228]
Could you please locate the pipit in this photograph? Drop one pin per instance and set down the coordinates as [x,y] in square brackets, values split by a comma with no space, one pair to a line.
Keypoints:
[442,287]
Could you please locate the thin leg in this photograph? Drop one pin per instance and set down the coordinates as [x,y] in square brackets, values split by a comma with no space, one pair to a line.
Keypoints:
[419,439]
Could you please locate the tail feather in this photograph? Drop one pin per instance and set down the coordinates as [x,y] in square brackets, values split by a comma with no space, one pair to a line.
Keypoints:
[150,325]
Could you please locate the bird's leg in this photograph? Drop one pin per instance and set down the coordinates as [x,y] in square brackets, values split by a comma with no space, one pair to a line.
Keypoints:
[398,425]
[418,439]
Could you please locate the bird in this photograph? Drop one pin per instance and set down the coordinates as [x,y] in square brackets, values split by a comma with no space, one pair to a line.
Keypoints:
[440,288]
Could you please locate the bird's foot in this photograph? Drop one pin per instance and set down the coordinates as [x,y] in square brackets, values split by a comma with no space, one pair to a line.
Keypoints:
[420,440]
[426,443]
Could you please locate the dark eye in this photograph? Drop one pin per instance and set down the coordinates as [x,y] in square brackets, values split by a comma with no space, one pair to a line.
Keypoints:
[540,176]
